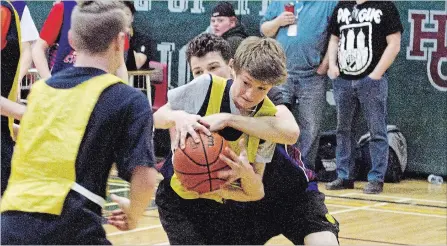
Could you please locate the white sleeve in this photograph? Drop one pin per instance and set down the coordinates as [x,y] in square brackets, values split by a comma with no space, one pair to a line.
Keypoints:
[190,97]
[265,152]
[28,29]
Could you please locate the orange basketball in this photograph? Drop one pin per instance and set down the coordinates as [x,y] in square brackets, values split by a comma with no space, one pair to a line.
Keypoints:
[197,165]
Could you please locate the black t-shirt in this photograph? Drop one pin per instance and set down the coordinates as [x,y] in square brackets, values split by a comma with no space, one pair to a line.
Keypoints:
[362,30]
[119,131]
[140,43]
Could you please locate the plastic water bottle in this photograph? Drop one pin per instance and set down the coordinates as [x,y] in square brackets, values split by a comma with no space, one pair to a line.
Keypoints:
[433,179]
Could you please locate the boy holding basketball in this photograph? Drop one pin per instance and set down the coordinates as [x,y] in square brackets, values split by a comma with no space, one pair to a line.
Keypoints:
[259,64]
[240,220]
[275,215]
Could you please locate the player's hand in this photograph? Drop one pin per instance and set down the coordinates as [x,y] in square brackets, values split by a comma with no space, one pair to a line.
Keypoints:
[240,166]
[286,18]
[333,72]
[122,218]
[188,124]
[375,76]
[217,122]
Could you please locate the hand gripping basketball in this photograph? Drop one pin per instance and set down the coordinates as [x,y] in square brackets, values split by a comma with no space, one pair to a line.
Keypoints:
[188,124]
[240,166]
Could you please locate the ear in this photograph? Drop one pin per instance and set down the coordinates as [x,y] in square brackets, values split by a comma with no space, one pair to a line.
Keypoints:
[70,39]
[120,39]
[230,63]
[233,21]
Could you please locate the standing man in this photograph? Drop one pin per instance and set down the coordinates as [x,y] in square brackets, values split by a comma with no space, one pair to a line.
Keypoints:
[365,36]
[300,27]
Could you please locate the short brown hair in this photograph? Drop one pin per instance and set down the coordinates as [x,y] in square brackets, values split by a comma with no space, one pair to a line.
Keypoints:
[263,59]
[206,43]
[95,24]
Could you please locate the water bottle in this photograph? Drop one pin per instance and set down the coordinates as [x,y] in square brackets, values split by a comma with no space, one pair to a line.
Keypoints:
[433,179]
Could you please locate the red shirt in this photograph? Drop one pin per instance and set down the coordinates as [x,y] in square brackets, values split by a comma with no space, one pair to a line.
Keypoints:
[52,26]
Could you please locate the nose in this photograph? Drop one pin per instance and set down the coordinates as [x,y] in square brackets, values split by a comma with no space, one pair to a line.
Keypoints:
[249,94]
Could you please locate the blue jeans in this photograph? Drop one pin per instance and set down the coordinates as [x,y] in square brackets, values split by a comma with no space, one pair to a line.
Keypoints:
[307,97]
[371,95]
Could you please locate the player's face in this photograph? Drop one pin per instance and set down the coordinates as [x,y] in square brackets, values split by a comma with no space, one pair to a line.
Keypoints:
[221,24]
[212,63]
[248,92]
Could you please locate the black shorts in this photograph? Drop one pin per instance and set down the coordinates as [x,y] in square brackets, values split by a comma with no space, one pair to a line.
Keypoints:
[200,221]
[295,219]
[79,224]
[7,149]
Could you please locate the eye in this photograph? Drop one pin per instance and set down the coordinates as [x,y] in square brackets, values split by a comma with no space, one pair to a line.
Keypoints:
[197,73]
[212,68]
[262,88]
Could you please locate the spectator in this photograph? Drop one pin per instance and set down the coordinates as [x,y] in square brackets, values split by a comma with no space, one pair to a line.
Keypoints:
[301,30]
[225,24]
[366,48]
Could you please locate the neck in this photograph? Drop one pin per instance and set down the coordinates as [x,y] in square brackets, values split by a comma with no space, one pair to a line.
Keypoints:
[360,1]
[90,60]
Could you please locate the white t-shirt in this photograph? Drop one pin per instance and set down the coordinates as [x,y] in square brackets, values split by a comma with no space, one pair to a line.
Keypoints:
[28,29]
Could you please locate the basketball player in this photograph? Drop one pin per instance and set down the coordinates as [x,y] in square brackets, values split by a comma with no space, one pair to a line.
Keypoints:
[303,217]
[10,110]
[79,122]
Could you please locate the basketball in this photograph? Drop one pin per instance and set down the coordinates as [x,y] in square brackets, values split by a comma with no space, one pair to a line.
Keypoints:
[196,165]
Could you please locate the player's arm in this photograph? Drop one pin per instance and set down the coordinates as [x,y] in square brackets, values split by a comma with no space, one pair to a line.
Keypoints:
[250,175]
[25,59]
[281,128]
[48,36]
[5,23]
[388,56]
[11,109]
[135,162]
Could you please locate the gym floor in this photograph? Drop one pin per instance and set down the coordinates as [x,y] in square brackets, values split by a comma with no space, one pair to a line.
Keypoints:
[412,212]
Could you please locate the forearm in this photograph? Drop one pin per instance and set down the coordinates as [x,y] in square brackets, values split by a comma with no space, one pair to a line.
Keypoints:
[142,188]
[11,109]
[252,188]
[332,51]
[40,59]
[388,56]
[25,59]
[270,128]
[140,59]
[270,28]
[165,117]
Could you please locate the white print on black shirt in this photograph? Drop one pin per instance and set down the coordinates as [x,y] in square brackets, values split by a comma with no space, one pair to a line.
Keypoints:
[355,45]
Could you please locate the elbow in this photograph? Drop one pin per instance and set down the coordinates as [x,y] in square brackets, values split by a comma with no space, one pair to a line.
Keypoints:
[293,135]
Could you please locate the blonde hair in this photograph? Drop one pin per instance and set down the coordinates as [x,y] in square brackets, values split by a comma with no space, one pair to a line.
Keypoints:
[263,59]
[94,24]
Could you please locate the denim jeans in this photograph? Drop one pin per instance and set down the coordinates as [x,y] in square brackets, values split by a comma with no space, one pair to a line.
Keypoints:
[371,95]
[307,97]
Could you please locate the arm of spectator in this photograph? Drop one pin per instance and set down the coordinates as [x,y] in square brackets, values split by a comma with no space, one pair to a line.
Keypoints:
[332,52]
[140,59]
[270,28]
[40,58]
[388,56]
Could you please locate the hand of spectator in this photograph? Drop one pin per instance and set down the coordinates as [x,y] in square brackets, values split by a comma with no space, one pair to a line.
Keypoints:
[374,76]
[333,72]
[188,124]
[323,68]
[286,18]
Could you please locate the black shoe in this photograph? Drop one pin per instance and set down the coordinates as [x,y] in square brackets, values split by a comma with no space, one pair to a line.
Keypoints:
[373,187]
[340,184]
